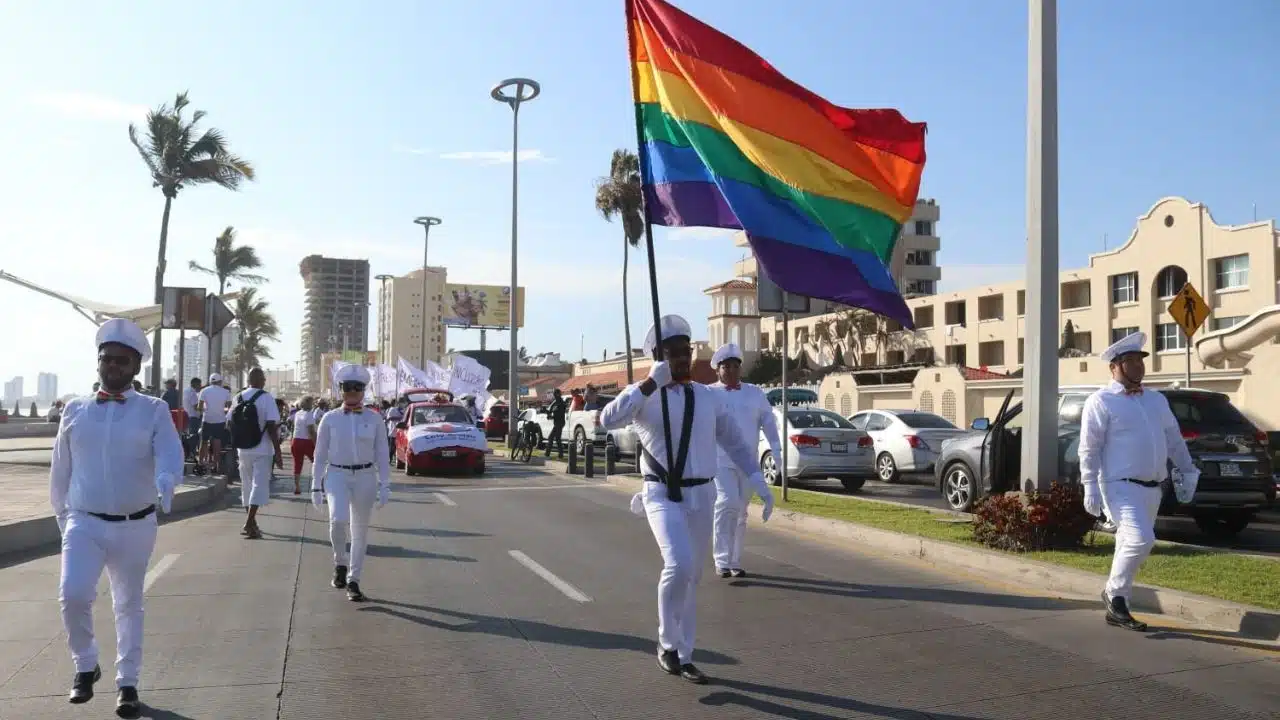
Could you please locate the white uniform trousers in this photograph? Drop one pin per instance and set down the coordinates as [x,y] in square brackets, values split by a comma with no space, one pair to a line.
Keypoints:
[733,492]
[1132,508]
[124,548]
[683,533]
[255,477]
[351,497]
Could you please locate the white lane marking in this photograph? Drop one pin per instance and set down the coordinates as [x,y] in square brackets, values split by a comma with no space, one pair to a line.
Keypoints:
[444,499]
[526,487]
[154,573]
[570,591]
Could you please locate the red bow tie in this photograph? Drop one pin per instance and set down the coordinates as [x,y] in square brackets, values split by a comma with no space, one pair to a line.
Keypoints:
[104,396]
[348,411]
[1133,391]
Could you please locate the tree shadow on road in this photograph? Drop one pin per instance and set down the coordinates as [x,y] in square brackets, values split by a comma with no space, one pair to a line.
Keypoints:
[398,551]
[913,594]
[429,532]
[532,630]
[845,705]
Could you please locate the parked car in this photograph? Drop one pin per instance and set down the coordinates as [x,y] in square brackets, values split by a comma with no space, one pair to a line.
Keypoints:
[795,396]
[906,441]
[495,421]
[823,445]
[439,437]
[1233,456]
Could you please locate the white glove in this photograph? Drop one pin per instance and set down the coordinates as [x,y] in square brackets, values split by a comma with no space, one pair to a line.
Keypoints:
[62,524]
[766,495]
[1092,500]
[317,498]
[165,485]
[637,504]
[384,495]
[660,373]
[1184,485]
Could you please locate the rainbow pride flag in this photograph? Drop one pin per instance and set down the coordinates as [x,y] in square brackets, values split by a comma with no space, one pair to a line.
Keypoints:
[727,141]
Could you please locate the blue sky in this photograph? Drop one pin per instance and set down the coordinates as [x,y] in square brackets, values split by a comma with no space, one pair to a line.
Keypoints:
[359,120]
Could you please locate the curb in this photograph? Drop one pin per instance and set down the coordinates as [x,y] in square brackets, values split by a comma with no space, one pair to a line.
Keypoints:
[23,535]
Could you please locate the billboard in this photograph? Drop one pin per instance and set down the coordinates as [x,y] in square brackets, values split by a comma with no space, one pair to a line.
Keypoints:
[481,306]
[183,309]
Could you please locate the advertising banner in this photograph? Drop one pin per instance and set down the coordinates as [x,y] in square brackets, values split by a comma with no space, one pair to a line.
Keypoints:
[481,306]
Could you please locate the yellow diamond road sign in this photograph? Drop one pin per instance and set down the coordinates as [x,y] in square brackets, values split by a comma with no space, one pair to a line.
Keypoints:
[1189,310]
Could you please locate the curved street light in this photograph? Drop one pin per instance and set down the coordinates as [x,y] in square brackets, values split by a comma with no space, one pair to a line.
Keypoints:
[522,91]
[427,222]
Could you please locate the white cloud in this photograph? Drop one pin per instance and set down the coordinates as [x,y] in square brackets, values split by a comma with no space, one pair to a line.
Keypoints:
[962,277]
[494,157]
[89,106]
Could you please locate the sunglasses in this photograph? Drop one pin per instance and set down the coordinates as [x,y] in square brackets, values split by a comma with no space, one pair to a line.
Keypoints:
[117,360]
[352,387]
[680,351]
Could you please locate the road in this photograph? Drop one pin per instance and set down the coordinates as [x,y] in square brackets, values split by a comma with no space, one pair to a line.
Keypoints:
[531,594]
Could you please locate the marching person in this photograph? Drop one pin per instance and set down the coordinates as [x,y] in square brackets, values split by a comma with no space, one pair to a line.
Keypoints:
[352,470]
[255,431]
[678,495]
[1127,437]
[303,445]
[116,455]
[752,414]
[212,403]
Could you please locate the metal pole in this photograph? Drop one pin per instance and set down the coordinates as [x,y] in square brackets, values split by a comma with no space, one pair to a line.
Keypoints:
[1188,362]
[426,222]
[1040,384]
[514,101]
[786,354]
[182,355]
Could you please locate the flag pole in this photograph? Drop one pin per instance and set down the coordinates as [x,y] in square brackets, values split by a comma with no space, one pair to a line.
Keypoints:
[673,483]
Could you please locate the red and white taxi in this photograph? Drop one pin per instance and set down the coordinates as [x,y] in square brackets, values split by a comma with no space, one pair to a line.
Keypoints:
[438,435]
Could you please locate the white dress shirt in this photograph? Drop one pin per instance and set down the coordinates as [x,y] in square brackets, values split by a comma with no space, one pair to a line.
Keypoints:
[351,438]
[108,456]
[215,399]
[303,424]
[713,427]
[1130,436]
[268,411]
[190,397]
[750,410]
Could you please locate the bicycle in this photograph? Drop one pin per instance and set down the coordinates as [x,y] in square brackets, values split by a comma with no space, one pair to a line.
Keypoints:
[526,443]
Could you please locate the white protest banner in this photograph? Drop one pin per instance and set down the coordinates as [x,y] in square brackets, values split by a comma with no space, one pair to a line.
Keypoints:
[384,381]
[470,378]
[409,376]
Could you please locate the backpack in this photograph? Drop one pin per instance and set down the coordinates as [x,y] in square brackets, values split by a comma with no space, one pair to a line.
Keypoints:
[246,431]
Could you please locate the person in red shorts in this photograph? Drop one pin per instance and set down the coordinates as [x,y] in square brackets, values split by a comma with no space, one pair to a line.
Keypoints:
[304,438]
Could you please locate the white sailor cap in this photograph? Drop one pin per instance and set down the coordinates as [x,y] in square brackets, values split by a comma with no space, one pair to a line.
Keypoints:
[1125,346]
[124,332]
[673,326]
[353,373]
[728,351]
[214,379]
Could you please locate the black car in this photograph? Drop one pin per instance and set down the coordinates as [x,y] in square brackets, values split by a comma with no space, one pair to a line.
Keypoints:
[1232,454]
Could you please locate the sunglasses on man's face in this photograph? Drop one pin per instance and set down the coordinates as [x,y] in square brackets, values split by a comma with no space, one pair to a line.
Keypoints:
[117,360]
[352,387]
[678,351]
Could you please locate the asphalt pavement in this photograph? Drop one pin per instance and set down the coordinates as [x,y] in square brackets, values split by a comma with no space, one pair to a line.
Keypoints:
[530,594]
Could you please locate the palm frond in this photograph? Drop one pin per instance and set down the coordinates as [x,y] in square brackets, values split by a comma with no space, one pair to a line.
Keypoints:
[197,267]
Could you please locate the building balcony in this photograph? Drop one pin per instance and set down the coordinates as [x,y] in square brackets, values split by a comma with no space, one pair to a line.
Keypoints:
[921,272]
[745,268]
[921,242]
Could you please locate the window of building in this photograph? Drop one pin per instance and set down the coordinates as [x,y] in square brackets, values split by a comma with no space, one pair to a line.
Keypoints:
[1222,323]
[926,401]
[949,405]
[1022,348]
[955,312]
[991,307]
[1169,337]
[1231,272]
[924,227]
[1124,288]
[1120,333]
[1170,281]
[957,354]
[1076,294]
[846,404]
[991,353]
[829,402]
[923,317]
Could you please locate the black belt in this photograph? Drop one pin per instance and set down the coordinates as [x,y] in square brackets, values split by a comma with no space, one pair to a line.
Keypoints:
[1143,483]
[684,482]
[352,467]
[121,518]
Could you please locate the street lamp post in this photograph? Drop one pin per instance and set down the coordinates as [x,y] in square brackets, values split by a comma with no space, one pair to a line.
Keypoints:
[382,302]
[524,90]
[426,222]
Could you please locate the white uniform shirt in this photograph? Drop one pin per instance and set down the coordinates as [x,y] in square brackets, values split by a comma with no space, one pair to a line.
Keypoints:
[108,456]
[1130,436]
[751,413]
[268,411]
[303,424]
[351,438]
[190,397]
[712,427]
[215,398]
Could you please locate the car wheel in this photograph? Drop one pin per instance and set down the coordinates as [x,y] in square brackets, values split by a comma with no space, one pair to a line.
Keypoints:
[580,442]
[886,468]
[769,467]
[958,487]
[1223,525]
[853,484]
[479,469]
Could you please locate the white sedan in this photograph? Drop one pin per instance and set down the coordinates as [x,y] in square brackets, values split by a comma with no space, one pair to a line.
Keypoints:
[906,441]
[822,445]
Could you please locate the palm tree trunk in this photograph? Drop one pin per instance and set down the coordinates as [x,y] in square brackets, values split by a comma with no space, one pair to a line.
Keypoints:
[160,263]
[626,310]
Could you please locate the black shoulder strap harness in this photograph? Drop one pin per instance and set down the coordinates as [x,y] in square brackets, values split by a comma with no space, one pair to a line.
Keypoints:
[673,480]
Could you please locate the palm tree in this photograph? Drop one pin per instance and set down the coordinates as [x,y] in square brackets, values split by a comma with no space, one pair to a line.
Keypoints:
[231,262]
[178,155]
[619,194]
[257,328]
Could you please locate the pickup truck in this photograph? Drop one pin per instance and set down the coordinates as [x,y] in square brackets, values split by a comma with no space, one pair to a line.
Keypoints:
[579,425]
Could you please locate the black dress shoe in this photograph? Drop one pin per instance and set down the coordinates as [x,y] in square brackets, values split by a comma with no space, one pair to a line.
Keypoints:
[669,661]
[127,703]
[340,577]
[722,573]
[1118,614]
[738,573]
[353,592]
[82,685]
[692,674]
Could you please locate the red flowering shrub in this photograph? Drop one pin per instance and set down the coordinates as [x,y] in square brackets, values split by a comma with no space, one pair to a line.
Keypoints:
[1052,520]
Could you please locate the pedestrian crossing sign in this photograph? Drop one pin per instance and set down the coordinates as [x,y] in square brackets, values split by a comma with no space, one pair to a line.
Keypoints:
[1189,310]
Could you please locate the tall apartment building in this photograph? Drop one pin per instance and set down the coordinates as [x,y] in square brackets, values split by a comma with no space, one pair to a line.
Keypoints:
[46,388]
[195,354]
[336,314]
[12,392]
[401,317]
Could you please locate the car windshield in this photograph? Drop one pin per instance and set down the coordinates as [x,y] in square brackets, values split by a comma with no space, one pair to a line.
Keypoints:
[817,419]
[1205,410]
[923,420]
[441,414]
